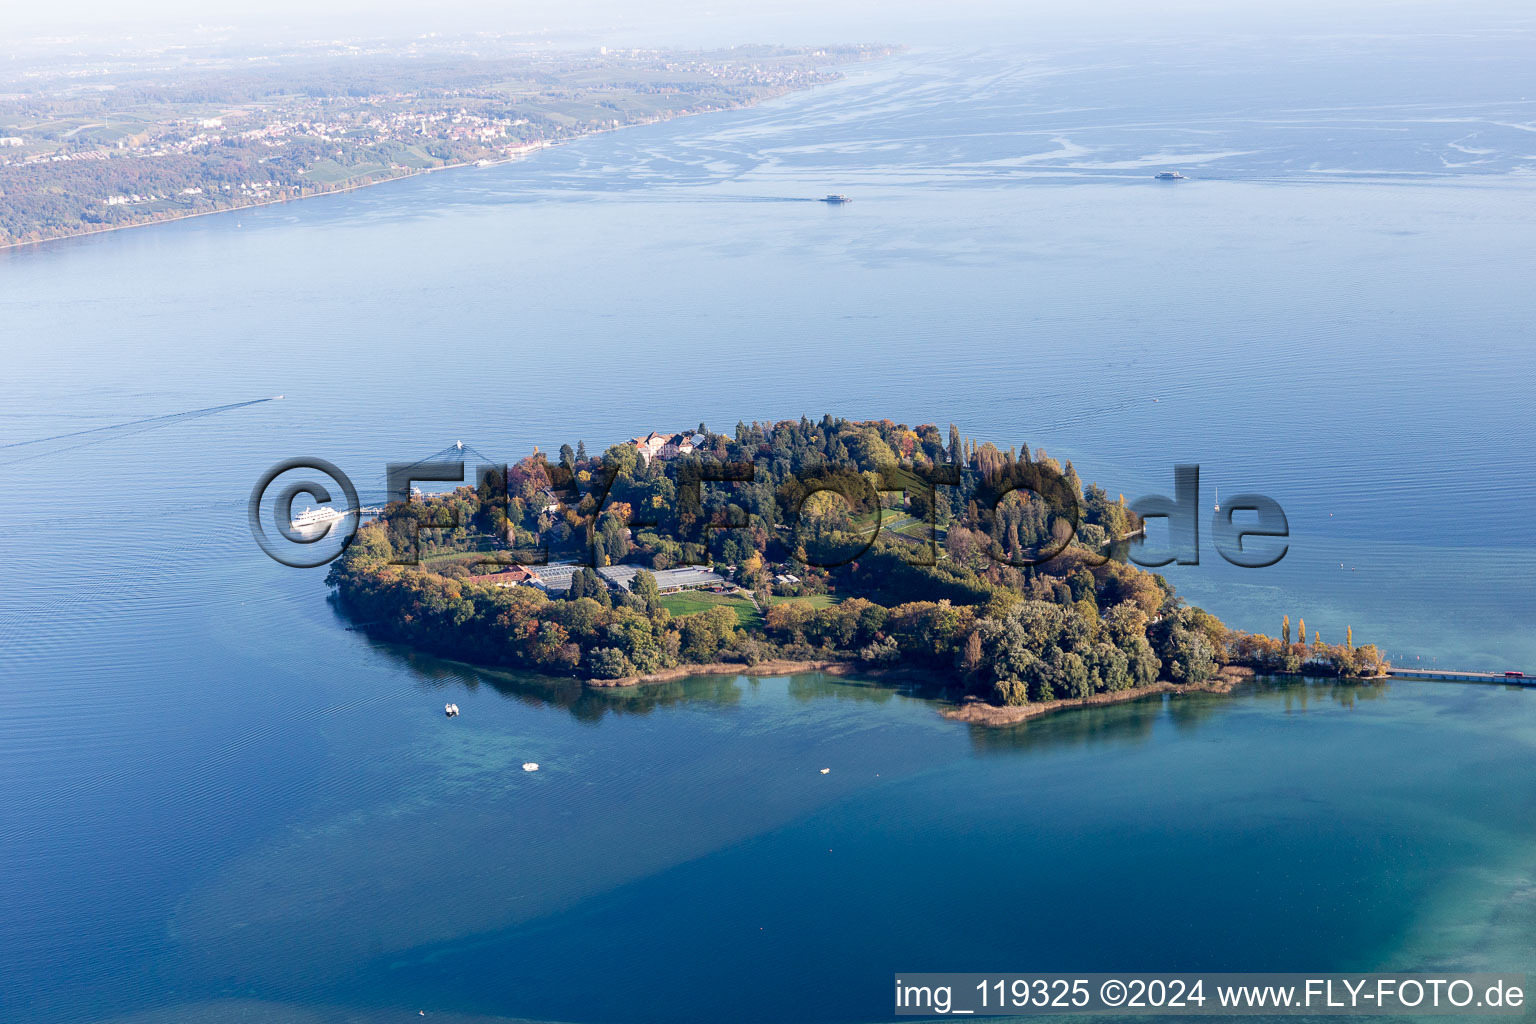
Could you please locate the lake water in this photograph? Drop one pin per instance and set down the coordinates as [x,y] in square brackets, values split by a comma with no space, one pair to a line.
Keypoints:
[216,800]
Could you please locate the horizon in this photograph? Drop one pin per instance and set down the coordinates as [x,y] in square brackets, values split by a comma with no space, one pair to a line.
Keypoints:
[690,25]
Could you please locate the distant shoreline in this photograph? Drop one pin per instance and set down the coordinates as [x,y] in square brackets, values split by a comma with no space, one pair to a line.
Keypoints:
[227,209]
[338,190]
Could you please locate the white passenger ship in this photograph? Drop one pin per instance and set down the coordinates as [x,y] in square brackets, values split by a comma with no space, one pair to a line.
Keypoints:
[314,518]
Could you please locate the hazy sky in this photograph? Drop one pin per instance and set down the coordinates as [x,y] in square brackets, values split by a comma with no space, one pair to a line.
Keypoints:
[723,22]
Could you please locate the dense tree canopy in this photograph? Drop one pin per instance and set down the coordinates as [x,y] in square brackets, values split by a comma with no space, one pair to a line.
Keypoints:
[838,544]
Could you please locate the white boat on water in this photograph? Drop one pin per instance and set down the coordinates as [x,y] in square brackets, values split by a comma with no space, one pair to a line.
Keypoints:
[314,518]
[451,710]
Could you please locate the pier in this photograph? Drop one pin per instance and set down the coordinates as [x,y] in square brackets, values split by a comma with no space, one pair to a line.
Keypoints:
[1507,678]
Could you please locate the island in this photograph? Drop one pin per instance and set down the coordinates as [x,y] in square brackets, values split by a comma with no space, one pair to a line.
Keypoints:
[851,547]
[93,143]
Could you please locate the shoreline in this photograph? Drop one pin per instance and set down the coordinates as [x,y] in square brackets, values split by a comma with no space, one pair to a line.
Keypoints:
[971,710]
[530,150]
[974,711]
[231,209]
[771,667]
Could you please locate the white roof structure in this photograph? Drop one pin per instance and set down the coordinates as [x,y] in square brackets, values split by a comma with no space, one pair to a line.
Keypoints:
[666,579]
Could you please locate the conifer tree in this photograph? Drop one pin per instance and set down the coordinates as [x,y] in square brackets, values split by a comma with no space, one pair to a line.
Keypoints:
[1074,482]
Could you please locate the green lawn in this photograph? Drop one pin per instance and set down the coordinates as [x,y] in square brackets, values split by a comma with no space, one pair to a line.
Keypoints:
[329,172]
[690,601]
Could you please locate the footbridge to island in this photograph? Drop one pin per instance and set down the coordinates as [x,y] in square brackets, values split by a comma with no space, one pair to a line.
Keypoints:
[1503,678]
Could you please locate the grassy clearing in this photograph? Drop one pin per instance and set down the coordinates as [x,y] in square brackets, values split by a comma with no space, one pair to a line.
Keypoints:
[690,601]
[329,172]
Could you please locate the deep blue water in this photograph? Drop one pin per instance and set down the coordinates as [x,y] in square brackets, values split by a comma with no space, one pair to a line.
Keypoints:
[214,799]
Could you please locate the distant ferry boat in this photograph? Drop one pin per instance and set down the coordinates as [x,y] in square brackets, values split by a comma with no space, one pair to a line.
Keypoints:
[313,517]
[1169,176]
[837,198]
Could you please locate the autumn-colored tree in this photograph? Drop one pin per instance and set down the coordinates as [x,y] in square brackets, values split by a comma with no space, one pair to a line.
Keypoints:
[1285,630]
[1301,632]
[789,619]
[1349,637]
[970,661]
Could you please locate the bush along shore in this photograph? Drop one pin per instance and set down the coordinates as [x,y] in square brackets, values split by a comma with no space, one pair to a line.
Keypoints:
[865,548]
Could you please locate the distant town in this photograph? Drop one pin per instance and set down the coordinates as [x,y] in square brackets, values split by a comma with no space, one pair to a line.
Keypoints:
[90,144]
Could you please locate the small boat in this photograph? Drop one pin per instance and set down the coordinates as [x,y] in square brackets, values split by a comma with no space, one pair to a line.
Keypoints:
[824,771]
[1217,507]
[451,710]
[836,198]
[530,766]
[1169,176]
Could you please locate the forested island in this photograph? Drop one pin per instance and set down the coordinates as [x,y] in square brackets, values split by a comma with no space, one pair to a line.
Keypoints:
[93,143]
[866,547]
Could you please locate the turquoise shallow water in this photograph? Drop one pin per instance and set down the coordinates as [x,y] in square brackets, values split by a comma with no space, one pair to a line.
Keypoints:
[215,800]
[679,856]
